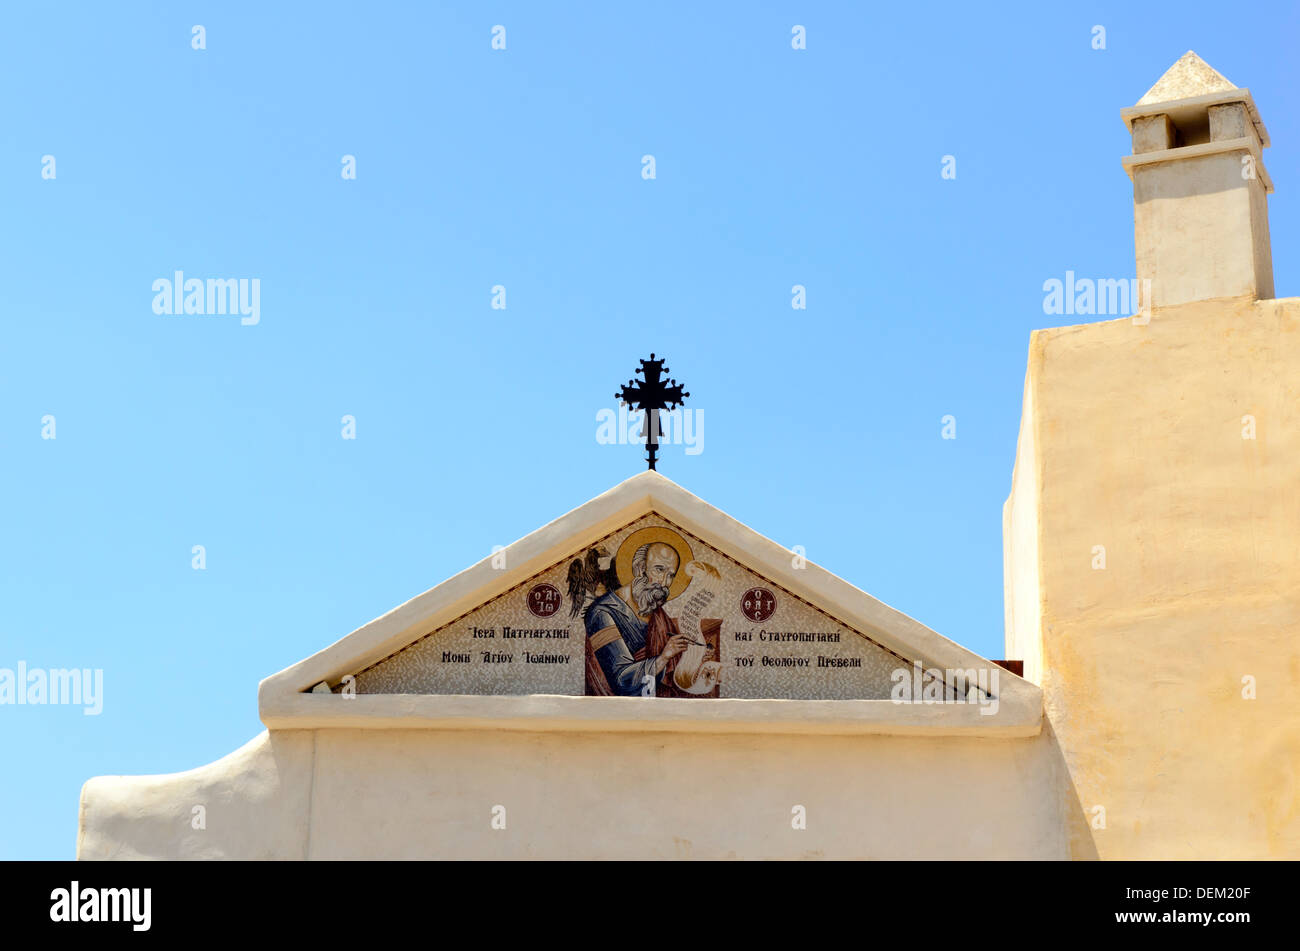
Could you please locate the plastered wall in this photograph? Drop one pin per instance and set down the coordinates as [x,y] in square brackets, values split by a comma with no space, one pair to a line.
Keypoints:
[1132,440]
[333,794]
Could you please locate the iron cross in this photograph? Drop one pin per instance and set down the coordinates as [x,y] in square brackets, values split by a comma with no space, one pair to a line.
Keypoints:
[652,394]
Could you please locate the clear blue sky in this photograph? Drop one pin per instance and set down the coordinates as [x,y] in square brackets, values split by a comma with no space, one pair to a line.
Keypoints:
[774,167]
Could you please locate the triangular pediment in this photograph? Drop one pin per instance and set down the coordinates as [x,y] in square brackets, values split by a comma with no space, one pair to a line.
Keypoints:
[753,637]
[572,611]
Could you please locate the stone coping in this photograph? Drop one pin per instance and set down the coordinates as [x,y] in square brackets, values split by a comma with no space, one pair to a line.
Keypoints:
[1015,716]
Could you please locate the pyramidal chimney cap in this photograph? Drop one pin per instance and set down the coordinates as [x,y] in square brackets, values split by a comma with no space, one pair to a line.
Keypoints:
[1190,76]
[1187,90]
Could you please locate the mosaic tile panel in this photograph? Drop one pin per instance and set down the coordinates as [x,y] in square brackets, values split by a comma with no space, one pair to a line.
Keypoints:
[650,610]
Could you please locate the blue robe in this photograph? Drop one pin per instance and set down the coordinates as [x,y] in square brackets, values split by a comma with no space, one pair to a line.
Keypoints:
[625,674]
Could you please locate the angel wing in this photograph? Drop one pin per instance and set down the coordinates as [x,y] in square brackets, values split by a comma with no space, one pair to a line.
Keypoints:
[577,587]
[588,581]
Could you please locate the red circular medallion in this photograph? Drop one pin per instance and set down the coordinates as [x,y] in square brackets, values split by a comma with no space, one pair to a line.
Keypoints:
[758,604]
[544,600]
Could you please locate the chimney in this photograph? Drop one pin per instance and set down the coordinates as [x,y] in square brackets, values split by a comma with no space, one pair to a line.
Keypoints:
[1200,190]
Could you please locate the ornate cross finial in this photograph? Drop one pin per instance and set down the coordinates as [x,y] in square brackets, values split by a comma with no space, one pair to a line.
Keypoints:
[652,394]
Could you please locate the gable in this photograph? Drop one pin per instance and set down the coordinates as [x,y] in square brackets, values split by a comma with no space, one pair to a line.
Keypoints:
[534,639]
[499,645]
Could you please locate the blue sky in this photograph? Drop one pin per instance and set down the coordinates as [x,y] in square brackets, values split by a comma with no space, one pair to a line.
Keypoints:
[522,167]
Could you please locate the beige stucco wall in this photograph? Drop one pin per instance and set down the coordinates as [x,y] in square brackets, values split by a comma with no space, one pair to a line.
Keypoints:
[347,793]
[1132,439]
[1021,600]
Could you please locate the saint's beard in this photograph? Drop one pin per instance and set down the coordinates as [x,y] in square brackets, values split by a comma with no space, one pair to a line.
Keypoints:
[648,596]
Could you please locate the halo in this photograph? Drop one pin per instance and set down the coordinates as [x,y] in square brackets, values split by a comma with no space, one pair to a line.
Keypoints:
[648,536]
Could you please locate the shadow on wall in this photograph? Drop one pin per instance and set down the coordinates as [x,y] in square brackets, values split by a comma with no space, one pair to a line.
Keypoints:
[1078,828]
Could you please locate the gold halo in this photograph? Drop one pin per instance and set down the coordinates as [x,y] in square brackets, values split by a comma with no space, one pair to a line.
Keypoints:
[649,536]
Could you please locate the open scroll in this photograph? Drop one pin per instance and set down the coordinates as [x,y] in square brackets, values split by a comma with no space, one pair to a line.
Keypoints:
[698,669]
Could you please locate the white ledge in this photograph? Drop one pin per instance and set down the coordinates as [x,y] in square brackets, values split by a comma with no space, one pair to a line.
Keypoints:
[1245,143]
[546,712]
